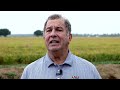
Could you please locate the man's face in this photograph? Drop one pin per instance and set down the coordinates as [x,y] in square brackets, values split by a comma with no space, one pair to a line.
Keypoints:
[56,35]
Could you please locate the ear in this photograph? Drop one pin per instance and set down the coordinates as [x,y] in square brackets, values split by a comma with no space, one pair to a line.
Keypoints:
[43,37]
[70,36]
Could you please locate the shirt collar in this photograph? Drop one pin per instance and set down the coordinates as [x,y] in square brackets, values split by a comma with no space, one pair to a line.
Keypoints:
[68,60]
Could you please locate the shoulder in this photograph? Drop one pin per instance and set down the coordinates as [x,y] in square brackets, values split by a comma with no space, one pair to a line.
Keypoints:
[82,61]
[86,66]
[31,68]
[35,64]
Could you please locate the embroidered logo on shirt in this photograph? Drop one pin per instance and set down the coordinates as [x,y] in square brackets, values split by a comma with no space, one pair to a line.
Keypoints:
[75,77]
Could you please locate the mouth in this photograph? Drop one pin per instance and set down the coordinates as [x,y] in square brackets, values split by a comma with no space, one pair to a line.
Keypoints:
[54,42]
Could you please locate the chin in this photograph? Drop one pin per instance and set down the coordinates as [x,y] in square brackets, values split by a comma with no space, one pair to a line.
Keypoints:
[54,49]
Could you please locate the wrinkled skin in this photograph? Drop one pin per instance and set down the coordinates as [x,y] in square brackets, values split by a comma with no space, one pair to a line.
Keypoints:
[57,39]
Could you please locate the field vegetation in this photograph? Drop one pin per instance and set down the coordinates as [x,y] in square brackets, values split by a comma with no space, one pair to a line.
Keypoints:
[17,52]
[24,50]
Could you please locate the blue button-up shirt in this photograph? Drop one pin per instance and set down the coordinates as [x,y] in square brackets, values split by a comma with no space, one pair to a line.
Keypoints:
[74,67]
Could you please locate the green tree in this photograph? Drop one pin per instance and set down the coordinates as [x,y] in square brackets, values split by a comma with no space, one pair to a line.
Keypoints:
[38,33]
[4,32]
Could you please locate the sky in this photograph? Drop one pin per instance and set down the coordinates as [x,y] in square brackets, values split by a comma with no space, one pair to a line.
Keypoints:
[82,22]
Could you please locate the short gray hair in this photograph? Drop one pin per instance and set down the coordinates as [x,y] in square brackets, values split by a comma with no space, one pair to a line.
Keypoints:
[58,16]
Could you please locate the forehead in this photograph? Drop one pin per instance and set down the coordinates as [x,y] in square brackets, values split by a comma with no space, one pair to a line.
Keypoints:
[55,22]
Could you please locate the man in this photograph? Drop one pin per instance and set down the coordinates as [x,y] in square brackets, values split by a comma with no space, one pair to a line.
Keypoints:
[59,62]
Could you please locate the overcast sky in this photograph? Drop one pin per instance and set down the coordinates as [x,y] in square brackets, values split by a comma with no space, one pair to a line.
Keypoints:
[83,22]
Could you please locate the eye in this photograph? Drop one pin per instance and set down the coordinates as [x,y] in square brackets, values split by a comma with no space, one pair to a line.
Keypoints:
[59,29]
[48,30]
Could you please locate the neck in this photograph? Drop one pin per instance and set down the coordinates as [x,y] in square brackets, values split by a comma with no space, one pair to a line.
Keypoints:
[58,57]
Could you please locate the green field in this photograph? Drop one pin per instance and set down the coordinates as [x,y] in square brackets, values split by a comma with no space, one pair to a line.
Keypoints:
[24,50]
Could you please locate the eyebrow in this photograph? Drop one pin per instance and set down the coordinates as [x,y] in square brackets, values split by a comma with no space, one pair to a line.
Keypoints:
[55,27]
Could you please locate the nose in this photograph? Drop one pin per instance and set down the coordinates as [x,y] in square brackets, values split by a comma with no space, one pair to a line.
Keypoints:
[53,33]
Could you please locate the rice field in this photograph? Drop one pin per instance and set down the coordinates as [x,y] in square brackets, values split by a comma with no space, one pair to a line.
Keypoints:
[24,50]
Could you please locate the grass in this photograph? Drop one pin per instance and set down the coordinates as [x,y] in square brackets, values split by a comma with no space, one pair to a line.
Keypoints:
[14,66]
[24,50]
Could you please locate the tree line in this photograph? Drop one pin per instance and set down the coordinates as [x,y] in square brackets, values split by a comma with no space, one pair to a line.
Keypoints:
[5,32]
[98,35]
